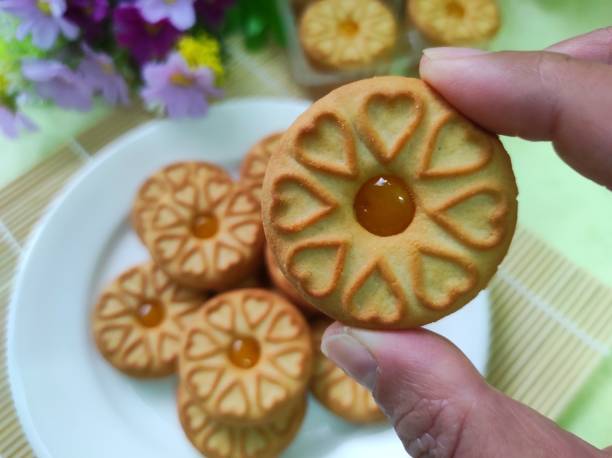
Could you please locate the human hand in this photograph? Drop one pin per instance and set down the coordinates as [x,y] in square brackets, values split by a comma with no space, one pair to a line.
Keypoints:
[437,401]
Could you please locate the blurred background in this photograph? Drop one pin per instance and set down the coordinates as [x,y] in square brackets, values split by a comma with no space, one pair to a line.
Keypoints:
[254,49]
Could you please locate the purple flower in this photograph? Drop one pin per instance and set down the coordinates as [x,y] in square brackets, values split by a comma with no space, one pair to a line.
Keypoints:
[179,12]
[12,122]
[99,73]
[213,12]
[55,81]
[178,89]
[42,18]
[88,15]
[145,41]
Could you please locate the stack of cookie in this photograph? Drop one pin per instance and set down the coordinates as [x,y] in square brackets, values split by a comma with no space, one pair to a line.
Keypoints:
[206,307]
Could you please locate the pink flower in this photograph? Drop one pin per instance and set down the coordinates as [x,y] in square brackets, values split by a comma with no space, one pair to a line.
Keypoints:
[99,73]
[12,122]
[54,80]
[179,90]
[181,13]
[44,19]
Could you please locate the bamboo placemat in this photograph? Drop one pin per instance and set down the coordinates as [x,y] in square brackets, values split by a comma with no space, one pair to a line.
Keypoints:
[550,320]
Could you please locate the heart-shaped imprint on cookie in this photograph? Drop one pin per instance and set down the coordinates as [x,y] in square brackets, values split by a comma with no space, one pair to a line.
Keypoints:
[199,344]
[270,392]
[292,363]
[476,217]
[132,282]
[255,309]
[111,307]
[387,120]
[246,232]
[187,197]
[440,277]
[177,175]
[327,145]
[221,315]
[113,337]
[226,256]
[216,189]
[194,261]
[455,147]
[285,327]
[203,380]
[242,203]
[317,265]
[375,296]
[297,203]
[233,400]
[168,246]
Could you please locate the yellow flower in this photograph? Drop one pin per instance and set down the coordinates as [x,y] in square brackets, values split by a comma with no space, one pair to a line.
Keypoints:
[202,51]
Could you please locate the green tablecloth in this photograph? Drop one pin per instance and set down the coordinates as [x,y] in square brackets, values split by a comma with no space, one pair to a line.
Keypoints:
[568,211]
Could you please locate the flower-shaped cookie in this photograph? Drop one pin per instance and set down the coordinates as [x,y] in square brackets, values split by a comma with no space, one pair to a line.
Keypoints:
[336,390]
[455,22]
[385,207]
[247,356]
[200,227]
[346,33]
[219,440]
[139,318]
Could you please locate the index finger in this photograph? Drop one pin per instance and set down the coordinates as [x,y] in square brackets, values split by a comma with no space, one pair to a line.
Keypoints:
[534,95]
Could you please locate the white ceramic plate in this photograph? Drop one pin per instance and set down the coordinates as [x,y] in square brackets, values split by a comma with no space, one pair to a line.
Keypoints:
[70,402]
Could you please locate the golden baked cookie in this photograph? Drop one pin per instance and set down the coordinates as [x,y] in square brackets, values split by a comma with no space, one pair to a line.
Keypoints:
[219,440]
[455,22]
[247,356]
[346,33]
[139,318]
[254,164]
[200,227]
[277,277]
[336,390]
[385,207]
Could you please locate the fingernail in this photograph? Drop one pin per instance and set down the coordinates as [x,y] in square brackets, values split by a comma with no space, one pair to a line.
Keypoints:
[451,52]
[351,356]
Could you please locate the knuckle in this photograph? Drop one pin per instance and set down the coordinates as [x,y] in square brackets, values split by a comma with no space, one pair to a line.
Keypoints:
[430,428]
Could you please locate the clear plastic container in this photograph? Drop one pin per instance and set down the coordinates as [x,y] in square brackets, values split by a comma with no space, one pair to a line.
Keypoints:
[402,60]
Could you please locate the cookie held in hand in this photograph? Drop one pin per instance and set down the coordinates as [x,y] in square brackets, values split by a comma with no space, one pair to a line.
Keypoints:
[385,207]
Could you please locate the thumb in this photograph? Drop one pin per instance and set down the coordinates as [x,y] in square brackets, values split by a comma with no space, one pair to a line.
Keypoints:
[437,401]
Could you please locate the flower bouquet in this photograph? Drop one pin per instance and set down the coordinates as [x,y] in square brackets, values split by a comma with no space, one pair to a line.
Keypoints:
[166,52]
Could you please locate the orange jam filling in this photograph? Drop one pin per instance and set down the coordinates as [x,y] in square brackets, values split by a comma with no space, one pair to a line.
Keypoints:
[455,9]
[244,352]
[348,28]
[383,205]
[205,226]
[150,313]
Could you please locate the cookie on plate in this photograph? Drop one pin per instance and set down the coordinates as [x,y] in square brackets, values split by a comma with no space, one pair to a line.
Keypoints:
[139,318]
[201,228]
[455,22]
[285,287]
[385,207]
[254,164]
[336,390]
[341,34]
[219,440]
[247,356]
